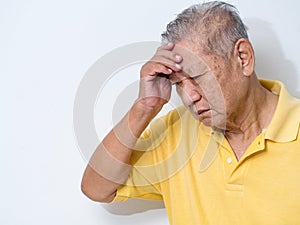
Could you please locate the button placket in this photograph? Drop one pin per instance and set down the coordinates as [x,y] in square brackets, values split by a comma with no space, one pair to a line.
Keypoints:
[229,163]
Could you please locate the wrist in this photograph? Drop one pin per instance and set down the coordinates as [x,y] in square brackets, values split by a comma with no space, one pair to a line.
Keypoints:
[142,109]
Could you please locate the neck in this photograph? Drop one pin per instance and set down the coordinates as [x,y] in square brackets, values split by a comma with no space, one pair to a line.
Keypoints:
[254,115]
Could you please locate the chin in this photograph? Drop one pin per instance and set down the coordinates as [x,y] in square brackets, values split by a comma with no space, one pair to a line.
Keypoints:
[215,122]
[206,121]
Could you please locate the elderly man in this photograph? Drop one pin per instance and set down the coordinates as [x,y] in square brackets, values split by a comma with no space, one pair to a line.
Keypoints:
[230,155]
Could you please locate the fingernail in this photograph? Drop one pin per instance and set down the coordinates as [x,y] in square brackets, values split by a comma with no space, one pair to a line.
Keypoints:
[177,66]
[178,57]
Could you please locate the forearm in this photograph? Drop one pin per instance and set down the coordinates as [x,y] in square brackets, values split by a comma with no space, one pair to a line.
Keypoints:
[109,166]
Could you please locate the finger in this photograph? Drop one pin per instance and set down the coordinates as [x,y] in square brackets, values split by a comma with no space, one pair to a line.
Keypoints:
[167,62]
[153,69]
[169,55]
[166,71]
[161,69]
[168,46]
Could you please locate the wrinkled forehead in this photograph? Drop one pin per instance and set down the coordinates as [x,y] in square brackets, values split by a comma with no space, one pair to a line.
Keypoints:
[192,64]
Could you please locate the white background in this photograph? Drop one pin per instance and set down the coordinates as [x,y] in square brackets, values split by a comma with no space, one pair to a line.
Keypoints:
[46,47]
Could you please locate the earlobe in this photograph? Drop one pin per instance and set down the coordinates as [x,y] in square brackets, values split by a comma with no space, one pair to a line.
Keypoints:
[245,54]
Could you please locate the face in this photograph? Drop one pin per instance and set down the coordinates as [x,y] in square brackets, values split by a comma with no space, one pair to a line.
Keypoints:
[201,87]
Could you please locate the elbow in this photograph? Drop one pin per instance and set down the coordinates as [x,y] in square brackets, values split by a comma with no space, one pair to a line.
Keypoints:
[95,194]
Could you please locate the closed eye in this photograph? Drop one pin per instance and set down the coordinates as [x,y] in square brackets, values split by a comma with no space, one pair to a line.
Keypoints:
[178,83]
[197,77]
[194,78]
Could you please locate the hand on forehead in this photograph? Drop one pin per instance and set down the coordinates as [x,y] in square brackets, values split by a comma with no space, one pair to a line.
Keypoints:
[192,65]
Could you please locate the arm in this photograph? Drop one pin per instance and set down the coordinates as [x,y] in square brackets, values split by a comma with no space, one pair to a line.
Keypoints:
[109,166]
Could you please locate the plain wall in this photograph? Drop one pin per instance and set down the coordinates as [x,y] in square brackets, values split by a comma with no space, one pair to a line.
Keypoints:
[46,48]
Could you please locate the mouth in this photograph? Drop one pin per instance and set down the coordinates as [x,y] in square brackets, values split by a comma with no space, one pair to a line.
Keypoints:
[201,112]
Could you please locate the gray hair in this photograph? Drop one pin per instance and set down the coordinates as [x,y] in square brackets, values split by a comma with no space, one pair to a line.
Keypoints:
[213,26]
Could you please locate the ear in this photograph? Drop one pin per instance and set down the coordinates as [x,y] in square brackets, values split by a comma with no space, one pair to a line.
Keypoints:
[244,52]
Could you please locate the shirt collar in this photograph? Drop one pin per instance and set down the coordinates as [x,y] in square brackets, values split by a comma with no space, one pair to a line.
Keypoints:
[284,125]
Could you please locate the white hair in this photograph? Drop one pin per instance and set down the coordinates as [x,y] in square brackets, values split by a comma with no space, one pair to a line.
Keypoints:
[213,26]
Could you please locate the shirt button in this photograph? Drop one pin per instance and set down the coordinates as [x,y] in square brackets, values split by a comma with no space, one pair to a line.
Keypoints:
[229,160]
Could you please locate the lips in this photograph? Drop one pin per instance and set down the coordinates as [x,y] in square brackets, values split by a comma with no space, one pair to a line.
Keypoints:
[200,112]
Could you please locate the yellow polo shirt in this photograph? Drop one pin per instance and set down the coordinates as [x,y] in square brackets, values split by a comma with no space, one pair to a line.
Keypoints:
[195,172]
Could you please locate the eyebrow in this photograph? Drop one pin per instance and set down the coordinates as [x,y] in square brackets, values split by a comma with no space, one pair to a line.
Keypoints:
[200,74]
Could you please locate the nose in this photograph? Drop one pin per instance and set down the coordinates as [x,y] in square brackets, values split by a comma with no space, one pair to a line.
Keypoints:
[189,92]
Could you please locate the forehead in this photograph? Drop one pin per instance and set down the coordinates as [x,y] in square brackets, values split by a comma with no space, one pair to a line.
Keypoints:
[192,64]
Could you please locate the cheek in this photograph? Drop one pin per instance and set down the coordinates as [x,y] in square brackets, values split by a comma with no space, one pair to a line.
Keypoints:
[213,93]
[183,96]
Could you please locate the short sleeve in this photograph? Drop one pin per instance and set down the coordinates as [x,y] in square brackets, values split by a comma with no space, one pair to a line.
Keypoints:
[149,167]
[143,181]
